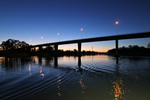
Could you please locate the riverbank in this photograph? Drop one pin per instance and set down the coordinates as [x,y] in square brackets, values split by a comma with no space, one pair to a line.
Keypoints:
[51,54]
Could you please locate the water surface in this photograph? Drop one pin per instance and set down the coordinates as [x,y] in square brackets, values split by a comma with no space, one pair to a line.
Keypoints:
[75,78]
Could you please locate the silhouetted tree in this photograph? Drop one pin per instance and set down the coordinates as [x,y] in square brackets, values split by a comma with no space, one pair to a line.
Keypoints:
[130,46]
[48,49]
[11,44]
[131,50]
[74,50]
[148,45]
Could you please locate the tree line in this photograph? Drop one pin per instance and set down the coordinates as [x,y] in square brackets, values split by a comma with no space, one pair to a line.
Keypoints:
[16,47]
[131,50]
[12,44]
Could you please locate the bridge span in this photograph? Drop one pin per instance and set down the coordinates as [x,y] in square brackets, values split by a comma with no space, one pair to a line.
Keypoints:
[105,38]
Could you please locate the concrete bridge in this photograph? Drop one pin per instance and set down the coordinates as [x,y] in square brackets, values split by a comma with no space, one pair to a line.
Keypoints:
[105,38]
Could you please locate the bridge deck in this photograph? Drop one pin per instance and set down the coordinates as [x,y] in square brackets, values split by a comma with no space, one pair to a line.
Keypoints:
[105,38]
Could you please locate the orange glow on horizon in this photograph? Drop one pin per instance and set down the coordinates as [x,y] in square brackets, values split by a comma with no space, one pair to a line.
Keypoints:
[102,50]
[86,47]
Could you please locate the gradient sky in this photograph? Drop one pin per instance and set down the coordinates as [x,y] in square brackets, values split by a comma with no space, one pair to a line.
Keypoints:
[27,20]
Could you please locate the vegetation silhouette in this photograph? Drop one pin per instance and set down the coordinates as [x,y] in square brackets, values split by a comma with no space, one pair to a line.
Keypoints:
[12,44]
[16,48]
[13,47]
[148,45]
[131,50]
[51,52]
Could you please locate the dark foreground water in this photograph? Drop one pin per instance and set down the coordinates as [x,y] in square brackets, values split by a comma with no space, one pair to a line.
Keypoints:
[75,78]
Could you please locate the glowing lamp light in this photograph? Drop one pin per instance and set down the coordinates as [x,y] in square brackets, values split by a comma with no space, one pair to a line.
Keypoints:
[42,37]
[58,34]
[81,29]
[117,22]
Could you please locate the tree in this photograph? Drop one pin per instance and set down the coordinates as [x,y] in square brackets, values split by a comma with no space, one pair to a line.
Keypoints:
[130,46]
[148,45]
[11,44]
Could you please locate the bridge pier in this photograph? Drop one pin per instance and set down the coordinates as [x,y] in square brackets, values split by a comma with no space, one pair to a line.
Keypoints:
[79,48]
[40,50]
[117,53]
[56,49]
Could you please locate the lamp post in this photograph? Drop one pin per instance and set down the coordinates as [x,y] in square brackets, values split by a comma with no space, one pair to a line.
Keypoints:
[13,35]
[117,22]
[58,36]
[31,42]
[42,38]
[82,32]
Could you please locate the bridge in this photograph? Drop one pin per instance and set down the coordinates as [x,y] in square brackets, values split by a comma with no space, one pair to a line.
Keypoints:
[105,38]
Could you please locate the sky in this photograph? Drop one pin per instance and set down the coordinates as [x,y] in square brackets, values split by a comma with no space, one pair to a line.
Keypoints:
[29,20]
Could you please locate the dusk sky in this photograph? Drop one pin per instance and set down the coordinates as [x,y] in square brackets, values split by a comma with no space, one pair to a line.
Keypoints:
[29,20]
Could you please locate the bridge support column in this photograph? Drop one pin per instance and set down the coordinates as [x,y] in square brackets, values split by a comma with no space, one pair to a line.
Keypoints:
[117,53]
[40,50]
[79,48]
[56,49]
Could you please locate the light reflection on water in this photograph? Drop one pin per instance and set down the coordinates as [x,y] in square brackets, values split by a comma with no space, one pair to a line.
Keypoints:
[82,86]
[83,78]
[59,83]
[29,68]
[119,89]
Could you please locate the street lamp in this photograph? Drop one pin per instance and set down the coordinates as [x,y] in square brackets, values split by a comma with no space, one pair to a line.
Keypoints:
[82,32]
[42,38]
[31,42]
[117,22]
[58,35]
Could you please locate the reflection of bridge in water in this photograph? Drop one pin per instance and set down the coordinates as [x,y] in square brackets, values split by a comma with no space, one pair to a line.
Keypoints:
[106,38]
[118,89]
[54,61]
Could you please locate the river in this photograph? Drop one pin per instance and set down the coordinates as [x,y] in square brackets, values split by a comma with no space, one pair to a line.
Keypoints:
[98,77]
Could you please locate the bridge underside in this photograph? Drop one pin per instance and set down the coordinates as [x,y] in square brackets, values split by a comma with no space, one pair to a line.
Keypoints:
[106,38]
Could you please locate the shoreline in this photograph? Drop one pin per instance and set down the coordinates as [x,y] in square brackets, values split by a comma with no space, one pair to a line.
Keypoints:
[17,55]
